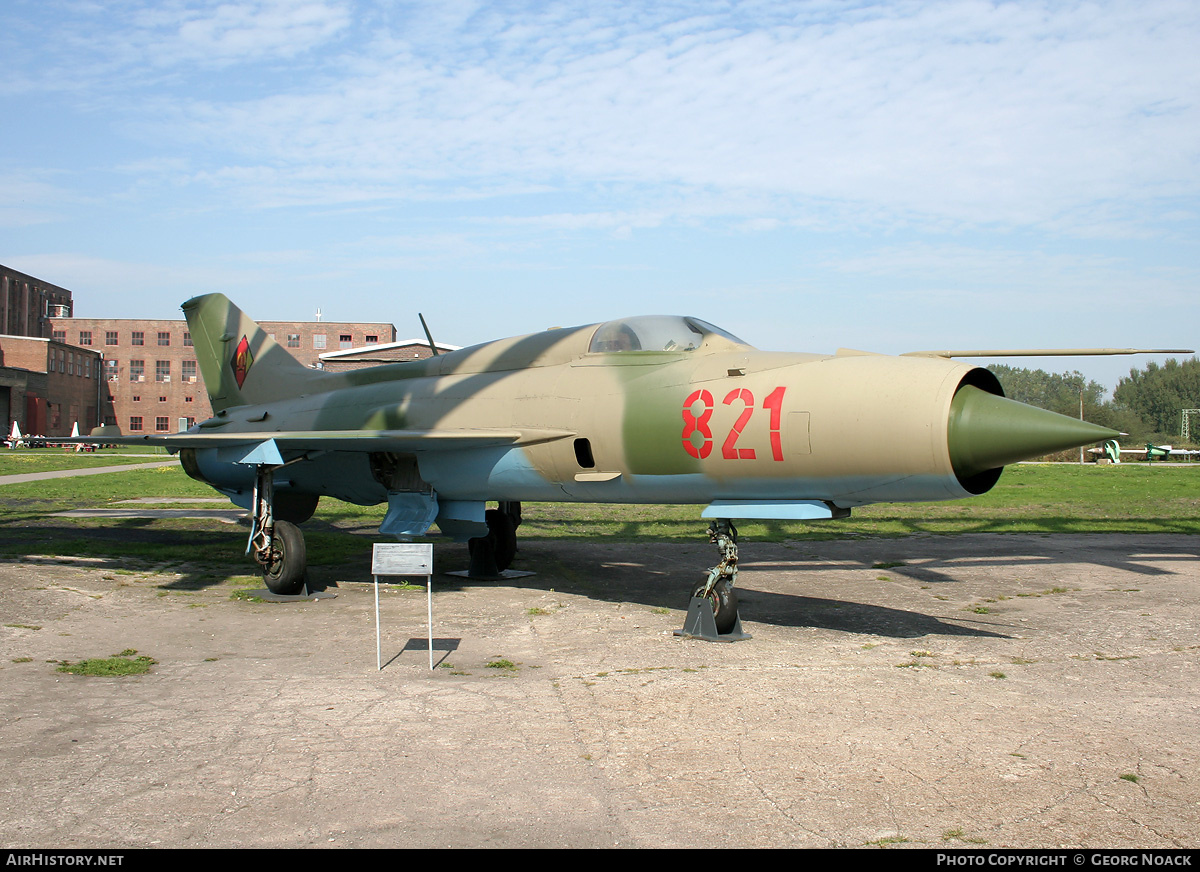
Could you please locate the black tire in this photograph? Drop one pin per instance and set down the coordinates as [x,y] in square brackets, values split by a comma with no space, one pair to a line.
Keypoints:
[725,605]
[285,574]
[503,533]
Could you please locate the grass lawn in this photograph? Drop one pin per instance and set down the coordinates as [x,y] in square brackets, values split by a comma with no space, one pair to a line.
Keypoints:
[1051,498]
[20,462]
[1029,498]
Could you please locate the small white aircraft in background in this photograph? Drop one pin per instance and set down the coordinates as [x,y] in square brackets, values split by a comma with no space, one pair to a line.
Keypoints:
[1113,451]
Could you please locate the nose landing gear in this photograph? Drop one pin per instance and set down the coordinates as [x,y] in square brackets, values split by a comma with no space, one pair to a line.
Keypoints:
[713,612]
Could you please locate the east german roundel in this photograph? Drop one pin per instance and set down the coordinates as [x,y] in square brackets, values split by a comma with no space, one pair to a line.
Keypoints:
[241,361]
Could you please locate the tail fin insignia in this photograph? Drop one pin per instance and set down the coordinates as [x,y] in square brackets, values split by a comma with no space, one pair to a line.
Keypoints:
[229,343]
[241,361]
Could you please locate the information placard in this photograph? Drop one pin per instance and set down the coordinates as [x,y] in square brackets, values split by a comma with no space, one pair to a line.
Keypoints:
[402,558]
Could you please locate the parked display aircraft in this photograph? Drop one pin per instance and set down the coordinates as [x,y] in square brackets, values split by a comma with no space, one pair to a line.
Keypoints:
[1112,450]
[652,410]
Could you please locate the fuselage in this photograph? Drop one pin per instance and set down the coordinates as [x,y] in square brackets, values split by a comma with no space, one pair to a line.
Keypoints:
[636,413]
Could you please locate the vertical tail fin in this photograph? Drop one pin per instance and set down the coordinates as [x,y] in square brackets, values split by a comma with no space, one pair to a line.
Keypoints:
[240,363]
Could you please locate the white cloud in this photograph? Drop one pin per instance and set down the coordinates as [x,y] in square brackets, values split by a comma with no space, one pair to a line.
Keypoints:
[98,46]
[215,34]
[101,285]
[970,112]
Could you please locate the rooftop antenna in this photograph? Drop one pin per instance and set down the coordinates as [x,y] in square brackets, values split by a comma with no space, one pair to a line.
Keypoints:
[318,314]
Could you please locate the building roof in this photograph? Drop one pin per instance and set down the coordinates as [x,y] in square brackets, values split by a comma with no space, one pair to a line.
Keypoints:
[376,347]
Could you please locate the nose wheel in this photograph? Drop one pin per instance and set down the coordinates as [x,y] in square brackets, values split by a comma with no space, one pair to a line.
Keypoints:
[723,601]
[713,611]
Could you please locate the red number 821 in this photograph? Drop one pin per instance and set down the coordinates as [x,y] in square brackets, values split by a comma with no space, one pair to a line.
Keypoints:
[693,423]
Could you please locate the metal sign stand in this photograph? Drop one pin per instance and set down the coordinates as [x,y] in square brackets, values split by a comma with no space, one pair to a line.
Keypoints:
[402,558]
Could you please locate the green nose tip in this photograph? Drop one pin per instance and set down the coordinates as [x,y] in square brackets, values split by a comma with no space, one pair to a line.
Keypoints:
[987,431]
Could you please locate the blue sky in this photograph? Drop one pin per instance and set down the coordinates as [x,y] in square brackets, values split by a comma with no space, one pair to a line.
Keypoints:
[809,175]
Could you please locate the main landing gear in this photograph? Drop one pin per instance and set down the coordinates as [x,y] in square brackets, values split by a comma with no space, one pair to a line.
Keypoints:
[491,555]
[713,612]
[276,545]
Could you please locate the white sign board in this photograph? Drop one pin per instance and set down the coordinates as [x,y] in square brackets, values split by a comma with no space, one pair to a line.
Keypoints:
[402,558]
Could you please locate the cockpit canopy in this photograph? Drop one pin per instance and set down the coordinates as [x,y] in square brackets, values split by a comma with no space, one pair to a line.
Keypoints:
[654,333]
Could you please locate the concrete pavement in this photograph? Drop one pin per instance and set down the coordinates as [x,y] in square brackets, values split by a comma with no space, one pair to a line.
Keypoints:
[968,691]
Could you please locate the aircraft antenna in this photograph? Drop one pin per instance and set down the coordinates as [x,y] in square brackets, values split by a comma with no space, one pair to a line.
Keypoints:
[428,335]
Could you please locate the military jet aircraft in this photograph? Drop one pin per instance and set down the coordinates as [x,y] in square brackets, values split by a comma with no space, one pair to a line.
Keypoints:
[642,410]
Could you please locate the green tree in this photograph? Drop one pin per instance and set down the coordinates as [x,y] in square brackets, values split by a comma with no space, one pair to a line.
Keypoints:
[1061,392]
[1057,392]
[1157,394]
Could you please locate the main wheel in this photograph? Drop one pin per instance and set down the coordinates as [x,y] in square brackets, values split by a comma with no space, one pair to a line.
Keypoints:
[503,533]
[725,605]
[493,553]
[285,573]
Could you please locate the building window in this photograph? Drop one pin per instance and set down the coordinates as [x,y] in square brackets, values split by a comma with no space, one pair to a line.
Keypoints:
[110,369]
[162,424]
[318,340]
[135,424]
[162,370]
[191,422]
[59,335]
[371,340]
[70,364]
[110,337]
[87,367]
[187,340]
[189,371]
[85,337]
[293,340]
[139,338]
[345,340]
[137,399]
[164,338]
[187,399]
[137,370]
[162,399]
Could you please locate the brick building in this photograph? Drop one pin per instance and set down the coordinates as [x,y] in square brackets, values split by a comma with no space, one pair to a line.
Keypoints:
[151,379]
[27,304]
[57,370]
[45,385]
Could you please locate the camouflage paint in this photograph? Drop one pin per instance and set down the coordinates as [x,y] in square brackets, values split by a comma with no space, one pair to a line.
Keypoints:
[500,421]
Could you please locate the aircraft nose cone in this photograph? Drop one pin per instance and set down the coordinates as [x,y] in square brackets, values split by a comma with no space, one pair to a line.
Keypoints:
[987,431]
